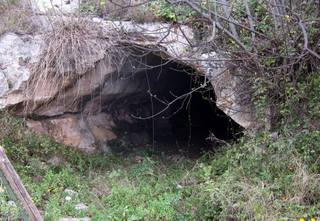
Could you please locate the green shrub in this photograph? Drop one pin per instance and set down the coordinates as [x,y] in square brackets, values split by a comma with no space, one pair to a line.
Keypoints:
[171,13]
[301,109]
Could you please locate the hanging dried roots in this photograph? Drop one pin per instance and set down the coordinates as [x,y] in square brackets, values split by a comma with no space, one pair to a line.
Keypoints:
[71,48]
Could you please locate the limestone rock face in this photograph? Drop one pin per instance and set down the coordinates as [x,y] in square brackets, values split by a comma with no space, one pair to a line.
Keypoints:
[69,130]
[85,133]
[16,54]
[4,86]
[232,92]
[63,6]
[78,115]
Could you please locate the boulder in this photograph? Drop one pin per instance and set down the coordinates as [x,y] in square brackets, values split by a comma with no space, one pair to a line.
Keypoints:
[69,129]
[78,115]
[87,133]
[60,6]
[81,207]
[16,54]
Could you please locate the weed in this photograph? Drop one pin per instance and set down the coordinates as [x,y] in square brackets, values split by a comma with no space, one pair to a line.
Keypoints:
[9,210]
[257,178]
[15,17]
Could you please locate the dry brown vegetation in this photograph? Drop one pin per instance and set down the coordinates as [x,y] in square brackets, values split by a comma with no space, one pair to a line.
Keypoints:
[72,48]
[15,17]
[306,185]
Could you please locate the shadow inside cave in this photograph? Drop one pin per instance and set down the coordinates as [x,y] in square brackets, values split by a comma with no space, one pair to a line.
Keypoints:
[174,112]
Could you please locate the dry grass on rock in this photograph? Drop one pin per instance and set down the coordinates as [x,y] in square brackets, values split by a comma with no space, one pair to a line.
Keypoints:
[71,48]
[15,17]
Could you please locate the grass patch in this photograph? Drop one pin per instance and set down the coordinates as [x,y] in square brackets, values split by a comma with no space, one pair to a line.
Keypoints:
[9,210]
[260,178]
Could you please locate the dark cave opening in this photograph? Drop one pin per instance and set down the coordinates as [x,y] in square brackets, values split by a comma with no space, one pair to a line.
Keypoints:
[176,111]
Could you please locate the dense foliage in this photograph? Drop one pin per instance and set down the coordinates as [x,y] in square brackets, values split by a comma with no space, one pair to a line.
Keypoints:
[273,44]
[266,176]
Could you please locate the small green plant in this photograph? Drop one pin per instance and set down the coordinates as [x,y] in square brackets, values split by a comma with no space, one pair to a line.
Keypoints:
[300,109]
[9,210]
[88,8]
[171,13]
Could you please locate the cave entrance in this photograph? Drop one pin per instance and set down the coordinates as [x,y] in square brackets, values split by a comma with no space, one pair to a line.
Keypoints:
[175,111]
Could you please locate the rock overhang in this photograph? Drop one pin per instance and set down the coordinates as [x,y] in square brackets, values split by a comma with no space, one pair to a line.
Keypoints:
[163,41]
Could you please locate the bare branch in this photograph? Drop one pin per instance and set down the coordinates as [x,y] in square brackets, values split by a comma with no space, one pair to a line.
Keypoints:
[306,41]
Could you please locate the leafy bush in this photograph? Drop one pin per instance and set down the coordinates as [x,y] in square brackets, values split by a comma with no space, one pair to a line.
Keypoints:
[301,109]
[171,13]
[272,46]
